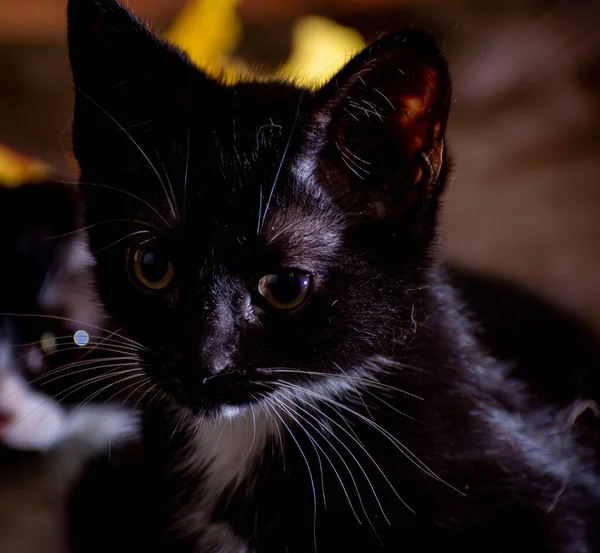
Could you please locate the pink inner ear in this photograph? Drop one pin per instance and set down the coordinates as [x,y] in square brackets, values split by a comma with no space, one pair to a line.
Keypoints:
[414,110]
[413,107]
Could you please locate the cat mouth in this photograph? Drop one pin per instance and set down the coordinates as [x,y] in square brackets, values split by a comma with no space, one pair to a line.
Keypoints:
[229,389]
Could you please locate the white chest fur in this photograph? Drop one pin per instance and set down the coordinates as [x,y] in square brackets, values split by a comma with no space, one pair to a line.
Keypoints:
[226,451]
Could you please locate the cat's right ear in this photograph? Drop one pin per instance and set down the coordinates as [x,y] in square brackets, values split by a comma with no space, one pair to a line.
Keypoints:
[377,131]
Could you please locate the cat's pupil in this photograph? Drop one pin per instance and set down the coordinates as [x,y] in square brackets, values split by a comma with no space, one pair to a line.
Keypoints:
[153,266]
[286,287]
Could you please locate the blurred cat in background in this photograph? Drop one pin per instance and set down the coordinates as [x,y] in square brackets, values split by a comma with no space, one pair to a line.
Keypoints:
[45,299]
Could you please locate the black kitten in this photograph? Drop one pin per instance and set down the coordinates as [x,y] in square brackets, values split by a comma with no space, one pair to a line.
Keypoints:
[272,249]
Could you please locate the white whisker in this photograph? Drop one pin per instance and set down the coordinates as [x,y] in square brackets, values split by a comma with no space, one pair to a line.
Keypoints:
[399,445]
[177,215]
[127,193]
[310,475]
[282,161]
[83,323]
[358,442]
[332,446]
[342,376]
[134,142]
[314,444]
[364,472]
[68,371]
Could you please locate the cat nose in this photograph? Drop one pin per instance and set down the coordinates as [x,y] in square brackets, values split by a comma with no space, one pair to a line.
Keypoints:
[220,338]
[217,364]
[216,356]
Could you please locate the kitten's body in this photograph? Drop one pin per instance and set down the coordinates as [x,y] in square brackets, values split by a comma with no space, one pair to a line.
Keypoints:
[527,479]
[553,351]
[271,248]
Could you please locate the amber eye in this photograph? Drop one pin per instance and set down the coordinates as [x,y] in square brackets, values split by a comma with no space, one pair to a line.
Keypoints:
[151,269]
[285,290]
[48,342]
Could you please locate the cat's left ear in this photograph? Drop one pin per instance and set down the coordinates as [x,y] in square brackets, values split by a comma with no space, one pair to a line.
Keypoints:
[124,76]
[115,58]
[377,128]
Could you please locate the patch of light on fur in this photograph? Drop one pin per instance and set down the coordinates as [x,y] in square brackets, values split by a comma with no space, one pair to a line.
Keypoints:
[81,338]
[230,411]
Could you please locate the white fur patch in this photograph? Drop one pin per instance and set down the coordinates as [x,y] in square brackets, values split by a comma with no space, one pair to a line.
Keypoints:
[30,420]
[228,447]
[220,538]
[34,421]
[542,443]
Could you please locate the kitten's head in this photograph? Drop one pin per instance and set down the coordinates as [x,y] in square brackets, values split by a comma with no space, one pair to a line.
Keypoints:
[257,237]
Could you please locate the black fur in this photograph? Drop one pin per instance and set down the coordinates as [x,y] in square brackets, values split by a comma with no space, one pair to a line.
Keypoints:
[236,183]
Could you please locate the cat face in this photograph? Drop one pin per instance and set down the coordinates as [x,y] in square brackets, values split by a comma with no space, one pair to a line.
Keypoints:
[257,237]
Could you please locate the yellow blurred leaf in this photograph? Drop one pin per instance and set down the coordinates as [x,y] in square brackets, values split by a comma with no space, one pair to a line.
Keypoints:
[16,168]
[209,31]
[320,49]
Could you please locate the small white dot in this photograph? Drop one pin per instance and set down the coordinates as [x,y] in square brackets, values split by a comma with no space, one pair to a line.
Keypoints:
[81,338]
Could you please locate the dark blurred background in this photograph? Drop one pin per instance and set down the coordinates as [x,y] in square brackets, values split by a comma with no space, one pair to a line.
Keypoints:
[524,197]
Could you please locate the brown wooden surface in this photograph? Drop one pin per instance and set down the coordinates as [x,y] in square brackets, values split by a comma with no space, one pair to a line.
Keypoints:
[273,10]
[42,20]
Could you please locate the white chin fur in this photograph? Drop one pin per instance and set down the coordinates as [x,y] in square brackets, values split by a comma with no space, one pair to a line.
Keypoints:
[231,411]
